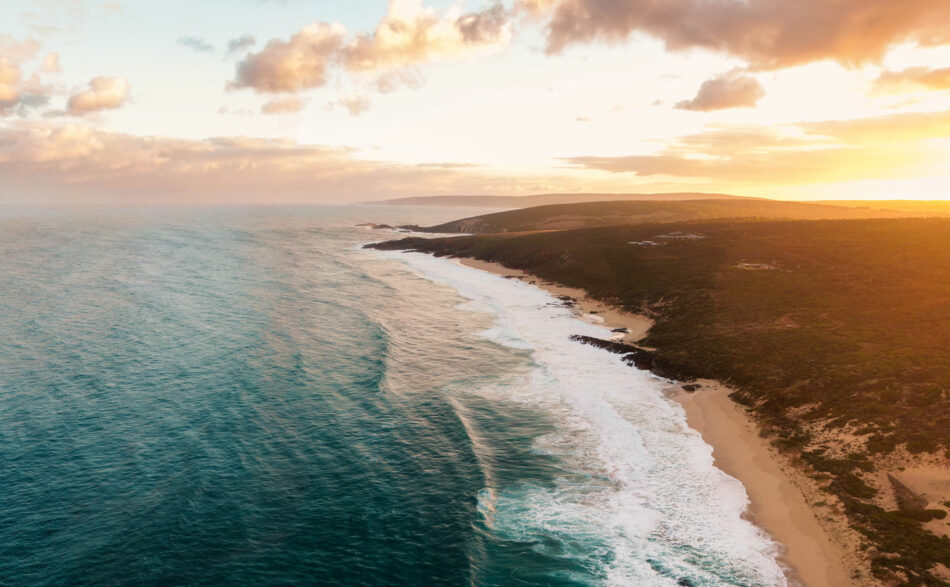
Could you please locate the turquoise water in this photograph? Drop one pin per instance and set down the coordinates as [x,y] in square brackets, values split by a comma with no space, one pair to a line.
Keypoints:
[248,397]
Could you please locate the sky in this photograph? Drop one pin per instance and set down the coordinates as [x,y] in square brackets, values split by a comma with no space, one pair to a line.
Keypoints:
[314,101]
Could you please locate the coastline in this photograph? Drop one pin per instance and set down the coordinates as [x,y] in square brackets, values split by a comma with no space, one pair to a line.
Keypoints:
[637,325]
[817,549]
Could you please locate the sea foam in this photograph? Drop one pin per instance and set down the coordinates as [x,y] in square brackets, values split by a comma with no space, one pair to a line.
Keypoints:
[640,501]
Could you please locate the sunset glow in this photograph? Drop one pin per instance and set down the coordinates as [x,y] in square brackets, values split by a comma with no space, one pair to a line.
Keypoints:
[253,101]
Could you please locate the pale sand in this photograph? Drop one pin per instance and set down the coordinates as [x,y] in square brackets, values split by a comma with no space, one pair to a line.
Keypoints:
[820,549]
[930,481]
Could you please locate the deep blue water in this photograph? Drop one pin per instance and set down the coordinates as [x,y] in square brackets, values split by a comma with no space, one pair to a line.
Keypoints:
[247,397]
[202,398]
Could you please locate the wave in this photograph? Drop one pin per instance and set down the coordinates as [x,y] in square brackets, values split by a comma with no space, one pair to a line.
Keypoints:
[637,499]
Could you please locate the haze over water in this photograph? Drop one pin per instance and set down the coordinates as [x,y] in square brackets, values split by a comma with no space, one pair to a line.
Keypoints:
[246,396]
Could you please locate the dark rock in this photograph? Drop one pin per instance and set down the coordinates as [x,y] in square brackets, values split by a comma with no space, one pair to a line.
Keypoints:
[638,357]
[375,226]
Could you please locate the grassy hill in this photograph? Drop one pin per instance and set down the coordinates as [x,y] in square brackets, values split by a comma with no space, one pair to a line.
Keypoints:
[512,202]
[835,333]
[929,207]
[587,215]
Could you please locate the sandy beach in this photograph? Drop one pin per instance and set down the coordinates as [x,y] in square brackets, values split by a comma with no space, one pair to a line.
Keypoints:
[819,548]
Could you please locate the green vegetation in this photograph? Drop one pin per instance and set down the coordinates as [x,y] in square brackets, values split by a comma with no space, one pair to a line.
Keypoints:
[820,325]
[589,215]
[511,202]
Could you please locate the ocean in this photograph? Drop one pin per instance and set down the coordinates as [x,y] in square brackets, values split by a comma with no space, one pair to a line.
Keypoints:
[246,396]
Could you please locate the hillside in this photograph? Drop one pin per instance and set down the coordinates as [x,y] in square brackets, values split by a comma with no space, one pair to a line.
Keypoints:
[588,215]
[930,207]
[512,202]
[835,333]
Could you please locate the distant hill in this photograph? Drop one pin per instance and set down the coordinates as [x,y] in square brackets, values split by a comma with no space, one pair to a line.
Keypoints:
[512,202]
[932,207]
[594,214]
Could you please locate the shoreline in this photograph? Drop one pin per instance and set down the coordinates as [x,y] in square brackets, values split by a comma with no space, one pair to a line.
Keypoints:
[589,309]
[817,550]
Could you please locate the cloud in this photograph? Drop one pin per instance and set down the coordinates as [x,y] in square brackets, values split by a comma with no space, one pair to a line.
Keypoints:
[196,44]
[355,105]
[912,79]
[104,93]
[51,63]
[291,66]
[487,26]
[240,44]
[75,162]
[288,105]
[9,82]
[17,96]
[390,81]
[895,146]
[895,129]
[767,34]
[732,90]
[17,51]
[408,35]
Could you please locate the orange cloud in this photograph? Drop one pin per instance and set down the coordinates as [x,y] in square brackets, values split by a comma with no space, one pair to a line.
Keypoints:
[51,63]
[912,79]
[283,106]
[768,34]
[104,93]
[294,65]
[884,130]
[45,162]
[73,161]
[18,96]
[409,34]
[894,146]
[731,90]
[9,81]
[12,53]
[355,105]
